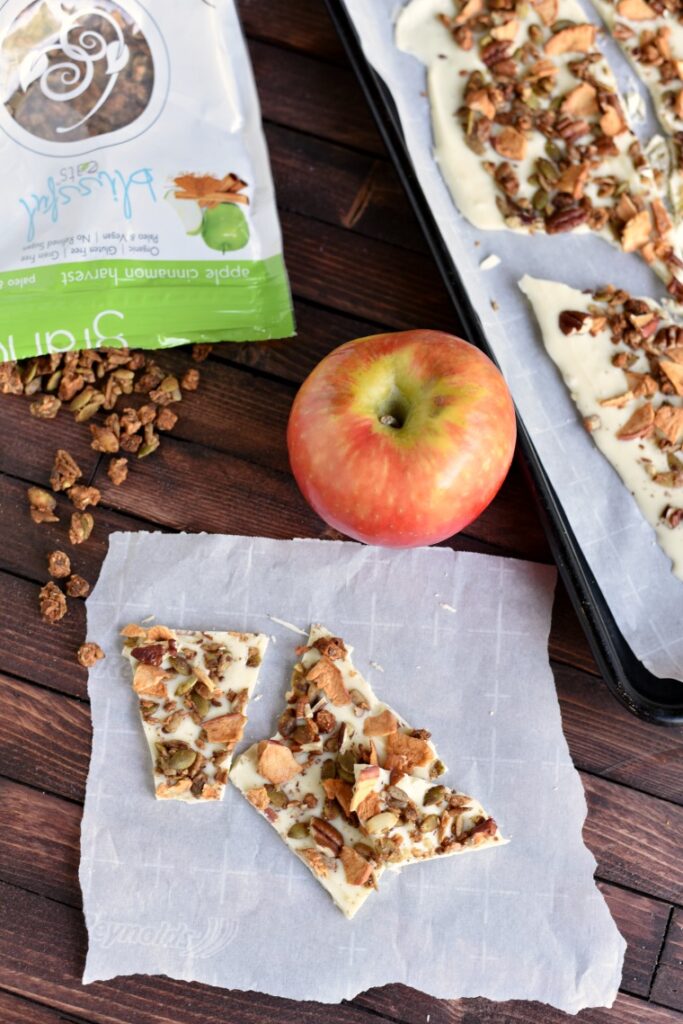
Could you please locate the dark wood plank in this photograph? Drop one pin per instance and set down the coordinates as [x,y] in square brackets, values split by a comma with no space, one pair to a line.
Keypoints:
[299,24]
[40,847]
[45,738]
[642,922]
[405,1004]
[14,1010]
[395,288]
[313,96]
[22,457]
[45,828]
[341,186]
[36,650]
[607,740]
[668,984]
[636,838]
[42,946]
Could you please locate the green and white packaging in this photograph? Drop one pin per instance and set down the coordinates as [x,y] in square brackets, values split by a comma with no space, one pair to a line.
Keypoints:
[137,201]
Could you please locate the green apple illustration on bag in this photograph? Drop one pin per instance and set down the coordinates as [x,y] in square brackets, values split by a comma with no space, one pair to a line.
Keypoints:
[219,218]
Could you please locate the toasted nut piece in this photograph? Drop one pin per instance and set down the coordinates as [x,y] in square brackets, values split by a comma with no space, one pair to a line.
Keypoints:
[662,219]
[58,564]
[417,752]
[328,678]
[612,123]
[276,762]
[357,870]
[510,143]
[674,371]
[337,789]
[150,680]
[581,100]
[635,10]
[225,728]
[574,39]
[546,10]
[326,835]
[640,424]
[470,9]
[52,602]
[670,421]
[132,630]
[380,725]
[169,790]
[507,31]
[381,822]
[258,796]
[480,101]
[77,586]
[637,231]
[317,862]
[88,654]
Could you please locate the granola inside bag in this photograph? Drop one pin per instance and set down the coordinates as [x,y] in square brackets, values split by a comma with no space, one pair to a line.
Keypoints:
[138,206]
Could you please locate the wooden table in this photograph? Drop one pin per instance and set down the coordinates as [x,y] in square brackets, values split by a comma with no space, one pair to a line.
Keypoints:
[358,265]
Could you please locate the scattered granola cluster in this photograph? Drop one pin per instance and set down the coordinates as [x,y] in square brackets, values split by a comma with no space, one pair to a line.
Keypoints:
[543,113]
[90,383]
[640,331]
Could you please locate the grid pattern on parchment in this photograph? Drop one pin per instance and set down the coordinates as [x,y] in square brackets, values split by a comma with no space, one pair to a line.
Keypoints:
[457,643]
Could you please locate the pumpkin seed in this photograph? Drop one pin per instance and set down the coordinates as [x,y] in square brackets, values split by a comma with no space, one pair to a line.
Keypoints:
[181,759]
[180,665]
[201,704]
[438,768]
[185,686]
[328,769]
[276,797]
[434,795]
[345,763]
[430,823]
[298,831]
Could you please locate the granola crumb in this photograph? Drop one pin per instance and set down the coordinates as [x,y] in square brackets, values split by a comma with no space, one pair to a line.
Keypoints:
[42,505]
[190,379]
[76,586]
[117,471]
[46,407]
[166,419]
[52,603]
[65,471]
[88,654]
[81,527]
[58,564]
[82,497]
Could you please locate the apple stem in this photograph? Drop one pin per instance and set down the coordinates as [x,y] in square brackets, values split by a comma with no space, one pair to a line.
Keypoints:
[389,421]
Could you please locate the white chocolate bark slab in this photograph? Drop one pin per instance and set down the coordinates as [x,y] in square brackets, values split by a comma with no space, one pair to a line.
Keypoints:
[662,91]
[585,363]
[420,32]
[428,820]
[327,869]
[193,688]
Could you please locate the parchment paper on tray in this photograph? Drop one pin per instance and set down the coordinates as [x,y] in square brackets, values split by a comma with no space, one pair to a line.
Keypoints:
[209,893]
[633,574]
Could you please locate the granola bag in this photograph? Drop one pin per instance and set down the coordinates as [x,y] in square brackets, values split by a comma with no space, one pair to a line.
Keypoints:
[137,200]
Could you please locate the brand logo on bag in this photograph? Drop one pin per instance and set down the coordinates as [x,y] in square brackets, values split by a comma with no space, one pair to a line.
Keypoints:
[80,75]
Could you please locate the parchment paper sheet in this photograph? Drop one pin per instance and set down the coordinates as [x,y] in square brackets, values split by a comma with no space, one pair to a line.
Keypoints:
[211,893]
[632,571]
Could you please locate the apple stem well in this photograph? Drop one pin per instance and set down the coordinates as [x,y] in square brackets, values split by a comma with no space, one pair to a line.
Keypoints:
[394,412]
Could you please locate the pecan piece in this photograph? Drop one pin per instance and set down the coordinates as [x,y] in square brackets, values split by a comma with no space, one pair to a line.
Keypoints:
[573,321]
[326,835]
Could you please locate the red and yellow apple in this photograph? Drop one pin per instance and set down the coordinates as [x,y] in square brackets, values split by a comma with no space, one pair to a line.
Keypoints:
[402,439]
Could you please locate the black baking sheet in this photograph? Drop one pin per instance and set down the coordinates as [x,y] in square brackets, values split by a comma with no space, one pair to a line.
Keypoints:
[644,694]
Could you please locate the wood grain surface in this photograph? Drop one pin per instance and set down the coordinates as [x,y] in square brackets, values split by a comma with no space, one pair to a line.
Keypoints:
[358,265]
